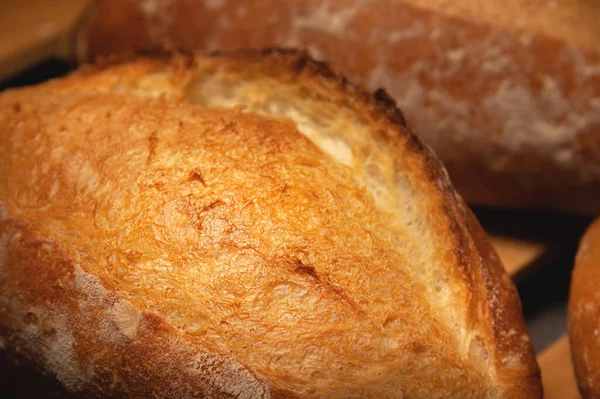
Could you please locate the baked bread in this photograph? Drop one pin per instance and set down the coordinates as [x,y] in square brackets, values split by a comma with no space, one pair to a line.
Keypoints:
[584,313]
[243,225]
[506,92]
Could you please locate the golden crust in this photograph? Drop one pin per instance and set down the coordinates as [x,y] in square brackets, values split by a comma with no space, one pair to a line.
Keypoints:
[262,215]
[584,314]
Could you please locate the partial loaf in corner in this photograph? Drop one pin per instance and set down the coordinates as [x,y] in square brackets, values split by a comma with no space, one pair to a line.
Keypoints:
[506,92]
[584,313]
[242,225]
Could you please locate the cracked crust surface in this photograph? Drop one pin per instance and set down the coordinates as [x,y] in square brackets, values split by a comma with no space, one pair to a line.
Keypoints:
[243,225]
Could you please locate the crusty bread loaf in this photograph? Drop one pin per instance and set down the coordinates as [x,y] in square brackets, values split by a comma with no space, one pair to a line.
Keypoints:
[245,225]
[584,313]
[506,92]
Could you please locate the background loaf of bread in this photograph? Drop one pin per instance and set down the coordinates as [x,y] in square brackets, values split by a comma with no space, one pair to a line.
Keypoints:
[507,93]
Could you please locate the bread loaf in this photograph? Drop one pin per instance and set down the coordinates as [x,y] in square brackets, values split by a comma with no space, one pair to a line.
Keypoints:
[507,93]
[243,225]
[584,315]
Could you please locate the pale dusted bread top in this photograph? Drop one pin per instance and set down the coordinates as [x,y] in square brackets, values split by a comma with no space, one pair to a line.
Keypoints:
[573,21]
[584,313]
[274,214]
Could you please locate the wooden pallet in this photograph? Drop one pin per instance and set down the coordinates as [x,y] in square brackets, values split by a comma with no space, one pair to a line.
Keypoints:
[557,371]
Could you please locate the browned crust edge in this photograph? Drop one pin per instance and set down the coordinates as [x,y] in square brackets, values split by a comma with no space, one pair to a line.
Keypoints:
[584,313]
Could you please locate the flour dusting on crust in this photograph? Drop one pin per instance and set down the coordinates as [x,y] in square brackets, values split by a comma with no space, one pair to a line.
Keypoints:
[228,376]
[161,15]
[3,243]
[120,323]
[59,354]
[89,287]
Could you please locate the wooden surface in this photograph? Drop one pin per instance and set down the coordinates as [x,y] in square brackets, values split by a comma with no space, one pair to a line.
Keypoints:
[518,254]
[557,371]
[34,30]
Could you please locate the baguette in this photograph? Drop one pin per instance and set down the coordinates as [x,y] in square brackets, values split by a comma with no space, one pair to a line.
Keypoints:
[243,225]
[506,93]
[584,317]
